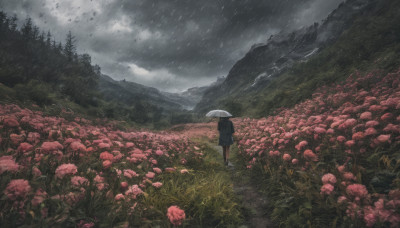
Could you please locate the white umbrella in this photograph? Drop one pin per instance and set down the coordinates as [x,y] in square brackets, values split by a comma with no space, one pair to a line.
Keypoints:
[218,113]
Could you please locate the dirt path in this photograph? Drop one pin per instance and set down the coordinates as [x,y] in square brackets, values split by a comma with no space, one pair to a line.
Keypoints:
[253,202]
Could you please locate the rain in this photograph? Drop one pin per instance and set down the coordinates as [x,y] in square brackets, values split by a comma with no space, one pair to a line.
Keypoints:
[195,41]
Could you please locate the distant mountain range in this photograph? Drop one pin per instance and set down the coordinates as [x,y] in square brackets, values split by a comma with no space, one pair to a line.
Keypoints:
[130,92]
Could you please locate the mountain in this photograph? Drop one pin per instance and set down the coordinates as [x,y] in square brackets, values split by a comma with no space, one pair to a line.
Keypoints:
[258,74]
[130,93]
[192,96]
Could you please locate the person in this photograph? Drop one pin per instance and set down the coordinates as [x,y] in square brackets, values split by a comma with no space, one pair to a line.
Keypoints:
[225,128]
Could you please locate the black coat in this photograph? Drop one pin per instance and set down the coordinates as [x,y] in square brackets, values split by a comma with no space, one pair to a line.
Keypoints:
[225,128]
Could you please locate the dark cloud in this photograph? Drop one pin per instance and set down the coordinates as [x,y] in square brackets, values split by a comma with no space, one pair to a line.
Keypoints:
[171,45]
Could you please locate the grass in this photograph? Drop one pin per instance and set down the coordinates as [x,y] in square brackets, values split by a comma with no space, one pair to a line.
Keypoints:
[205,193]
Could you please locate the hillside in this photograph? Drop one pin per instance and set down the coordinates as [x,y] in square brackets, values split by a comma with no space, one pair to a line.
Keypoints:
[332,160]
[359,34]
[34,68]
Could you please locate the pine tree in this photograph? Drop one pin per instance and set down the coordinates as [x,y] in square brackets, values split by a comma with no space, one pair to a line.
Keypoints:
[27,28]
[48,39]
[13,23]
[41,37]
[35,33]
[59,47]
[54,44]
[3,17]
[69,48]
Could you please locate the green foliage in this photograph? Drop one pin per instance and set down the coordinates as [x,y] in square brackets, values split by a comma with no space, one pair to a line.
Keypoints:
[234,107]
[181,117]
[38,92]
[205,204]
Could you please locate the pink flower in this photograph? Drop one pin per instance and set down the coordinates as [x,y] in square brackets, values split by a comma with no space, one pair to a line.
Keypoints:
[341,199]
[51,146]
[372,123]
[392,128]
[10,122]
[150,175]
[77,146]
[330,131]
[184,171]
[341,168]
[376,108]
[130,173]
[103,145]
[98,179]
[16,139]
[119,197]
[25,147]
[348,123]
[358,135]
[65,169]
[106,156]
[288,135]
[157,184]
[39,197]
[78,181]
[169,170]
[328,178]
[357,190]
[387,116]
[383,138]
[295,161]
[301,145]
[274,153]
[36,171]
[17,189]
[123,184]
[349,176]
[370,131]
[340,138]
[366,116]
[107,164]
[33,137]
[176,215]
[159,152]
[287,157]
[129,144]
[7,163]
[319,130]
[133,191]
[327,189]
[83,224]
[157,170]
[370,219]
[309,155]
[350,143]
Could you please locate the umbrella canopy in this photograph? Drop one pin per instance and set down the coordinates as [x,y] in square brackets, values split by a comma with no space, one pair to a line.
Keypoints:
[218,113]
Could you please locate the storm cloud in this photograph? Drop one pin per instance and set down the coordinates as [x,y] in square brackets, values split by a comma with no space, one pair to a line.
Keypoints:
[168,44]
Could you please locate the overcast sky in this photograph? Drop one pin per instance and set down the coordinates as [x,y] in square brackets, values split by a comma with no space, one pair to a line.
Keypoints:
[168,44]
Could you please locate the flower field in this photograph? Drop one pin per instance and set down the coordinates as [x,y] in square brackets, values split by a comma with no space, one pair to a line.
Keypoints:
[333,160]
[73,173]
